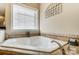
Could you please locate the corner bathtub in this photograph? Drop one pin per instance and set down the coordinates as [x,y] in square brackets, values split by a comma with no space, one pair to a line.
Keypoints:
[31,45]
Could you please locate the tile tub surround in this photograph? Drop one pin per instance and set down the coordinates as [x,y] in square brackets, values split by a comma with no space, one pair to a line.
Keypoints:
[62,37]
[35,47]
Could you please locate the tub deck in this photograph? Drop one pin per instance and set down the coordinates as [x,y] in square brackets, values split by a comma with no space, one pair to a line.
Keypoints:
[36,47]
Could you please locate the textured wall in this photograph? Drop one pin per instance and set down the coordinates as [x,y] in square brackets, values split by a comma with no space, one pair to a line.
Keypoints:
[66,22]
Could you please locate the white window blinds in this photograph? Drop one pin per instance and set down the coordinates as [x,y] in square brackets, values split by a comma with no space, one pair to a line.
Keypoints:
[24,18]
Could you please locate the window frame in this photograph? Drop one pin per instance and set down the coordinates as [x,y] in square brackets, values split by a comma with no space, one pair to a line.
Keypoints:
[36,20]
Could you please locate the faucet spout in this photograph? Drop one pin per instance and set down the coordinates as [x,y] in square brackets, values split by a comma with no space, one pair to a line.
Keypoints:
[62,49]
[57,43]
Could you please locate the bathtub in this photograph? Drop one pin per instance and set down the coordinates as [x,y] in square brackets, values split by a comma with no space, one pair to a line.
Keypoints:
[31,45]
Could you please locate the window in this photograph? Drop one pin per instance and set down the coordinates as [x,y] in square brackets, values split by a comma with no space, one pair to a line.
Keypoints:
[53,9]
[24,18]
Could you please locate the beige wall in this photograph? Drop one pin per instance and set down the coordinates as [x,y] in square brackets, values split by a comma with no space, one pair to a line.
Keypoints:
[2,13]
[8,18]
[65,23]
[35,5]
[2,9]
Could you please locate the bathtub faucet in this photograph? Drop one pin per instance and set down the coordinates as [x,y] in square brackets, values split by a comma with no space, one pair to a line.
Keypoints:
[62,49]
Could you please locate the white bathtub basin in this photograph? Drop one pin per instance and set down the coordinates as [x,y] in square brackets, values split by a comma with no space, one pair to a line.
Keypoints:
[37,43]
